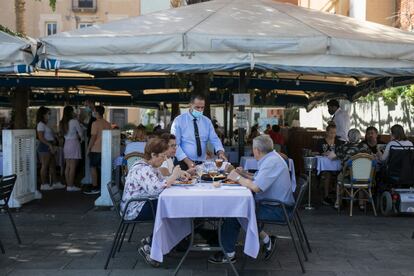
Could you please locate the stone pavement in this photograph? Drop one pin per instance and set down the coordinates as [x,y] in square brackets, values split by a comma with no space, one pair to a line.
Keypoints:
[64,235]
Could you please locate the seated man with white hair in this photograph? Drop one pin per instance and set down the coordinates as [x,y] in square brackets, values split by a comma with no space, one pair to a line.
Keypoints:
[271,181]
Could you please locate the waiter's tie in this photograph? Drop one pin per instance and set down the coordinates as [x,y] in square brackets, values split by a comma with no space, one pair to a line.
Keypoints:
[197,137]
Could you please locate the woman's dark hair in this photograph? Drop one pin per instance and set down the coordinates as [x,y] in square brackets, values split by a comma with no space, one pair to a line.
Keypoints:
[67,116]
[40,115]
[155,145]
[330,126]
[275,128]
[371,128]
[398,132]
[167,136]
[100,110]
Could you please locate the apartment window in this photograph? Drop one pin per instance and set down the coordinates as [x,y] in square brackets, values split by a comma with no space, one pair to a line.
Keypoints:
[84,25]
[85,4]
[51,28]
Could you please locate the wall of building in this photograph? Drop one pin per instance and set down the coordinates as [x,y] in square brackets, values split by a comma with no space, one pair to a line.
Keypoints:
[38,13]
[364,114]
[381,11]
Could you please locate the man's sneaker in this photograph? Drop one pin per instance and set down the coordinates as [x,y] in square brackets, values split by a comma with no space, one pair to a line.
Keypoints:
[58,185]
[145,252]
[146,241]
[73,189]
[327,201]
[269,248]
[219,258]
[93,191]
[46,187]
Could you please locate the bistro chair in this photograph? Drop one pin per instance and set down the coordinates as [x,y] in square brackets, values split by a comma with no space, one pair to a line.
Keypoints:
[303,179]
[116,196]
[6,188]
[132,158]
[290,220]
[361,167]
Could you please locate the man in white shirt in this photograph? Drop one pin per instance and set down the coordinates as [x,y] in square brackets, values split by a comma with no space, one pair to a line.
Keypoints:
[340,118]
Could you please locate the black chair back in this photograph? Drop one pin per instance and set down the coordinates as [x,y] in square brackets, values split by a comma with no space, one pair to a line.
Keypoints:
[303,187]
[116,195]
[400,166]
[6,188]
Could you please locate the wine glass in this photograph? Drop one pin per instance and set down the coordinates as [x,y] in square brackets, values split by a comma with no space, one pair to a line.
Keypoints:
[199,171]
[219,163]
[212,173]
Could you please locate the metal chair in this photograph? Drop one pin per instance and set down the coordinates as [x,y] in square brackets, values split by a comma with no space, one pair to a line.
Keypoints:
[290,219]
[6,188]
[116,197]
[303,179]
[362,170]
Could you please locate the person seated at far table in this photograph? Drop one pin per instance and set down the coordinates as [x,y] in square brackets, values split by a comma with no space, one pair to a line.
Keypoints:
[254,132]
[398,138]
[145,180]
[276,136]
[271,181]
[138,141]
[345,152]
[327,147]
[372,142]
[168,165]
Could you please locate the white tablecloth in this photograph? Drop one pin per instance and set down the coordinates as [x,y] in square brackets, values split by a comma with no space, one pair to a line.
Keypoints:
[177,205]
[249,163]
[323,163]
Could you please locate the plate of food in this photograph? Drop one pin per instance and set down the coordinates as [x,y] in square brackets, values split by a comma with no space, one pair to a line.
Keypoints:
[209,177]
[229,182]
[184,183]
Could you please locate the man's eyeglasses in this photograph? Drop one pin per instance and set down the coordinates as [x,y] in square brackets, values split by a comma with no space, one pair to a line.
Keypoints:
[173,145]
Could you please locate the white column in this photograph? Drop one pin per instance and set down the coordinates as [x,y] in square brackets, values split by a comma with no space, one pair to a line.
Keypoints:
[19,157]
[111,141]
[358,9]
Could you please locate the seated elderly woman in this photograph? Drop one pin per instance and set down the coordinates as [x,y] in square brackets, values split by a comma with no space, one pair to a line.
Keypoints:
[271,181]
[145,180]
[345,152]
[328,146]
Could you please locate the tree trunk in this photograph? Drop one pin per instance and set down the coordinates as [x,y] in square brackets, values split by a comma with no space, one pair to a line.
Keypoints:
[175,110]
[19,6]
[20,102]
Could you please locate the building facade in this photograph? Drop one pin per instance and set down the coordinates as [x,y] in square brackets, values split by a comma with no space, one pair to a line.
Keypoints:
[40,20]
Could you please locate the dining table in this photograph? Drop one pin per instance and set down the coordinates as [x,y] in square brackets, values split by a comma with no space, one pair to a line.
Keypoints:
[179,206]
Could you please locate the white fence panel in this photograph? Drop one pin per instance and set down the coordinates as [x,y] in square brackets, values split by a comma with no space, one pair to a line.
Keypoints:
[19,157]
[111,142]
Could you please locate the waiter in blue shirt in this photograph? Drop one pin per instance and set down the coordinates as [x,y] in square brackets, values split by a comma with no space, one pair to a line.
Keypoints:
[193,131]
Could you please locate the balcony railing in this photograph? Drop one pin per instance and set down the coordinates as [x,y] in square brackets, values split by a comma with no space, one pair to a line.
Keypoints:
[84,5]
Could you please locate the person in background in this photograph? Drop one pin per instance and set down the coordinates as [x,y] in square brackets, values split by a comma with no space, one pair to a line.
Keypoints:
[398,138]
[168,165]
[268,129]
[276,136]
[46,151]
[326,147]
[145,180]
[89,108]
[254,132]
[344,153]
[73,132]
[340,118]
[138,140]
[95,147]
[371,141]
[272,181]
[157,129]
[193,131]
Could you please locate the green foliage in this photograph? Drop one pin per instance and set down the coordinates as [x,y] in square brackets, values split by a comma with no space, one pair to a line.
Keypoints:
[391,95]
[52,4]
[10,32]
[129,126]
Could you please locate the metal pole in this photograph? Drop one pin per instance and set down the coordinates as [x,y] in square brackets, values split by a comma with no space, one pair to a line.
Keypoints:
[242,89]
[309,207]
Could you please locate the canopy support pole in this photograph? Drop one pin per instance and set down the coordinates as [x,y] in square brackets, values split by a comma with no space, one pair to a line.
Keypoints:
[242,89]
